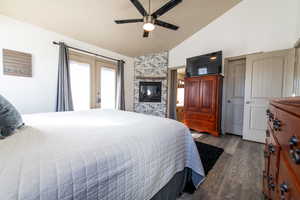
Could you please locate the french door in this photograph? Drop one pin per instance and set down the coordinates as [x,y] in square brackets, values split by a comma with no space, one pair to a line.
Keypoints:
[93,82]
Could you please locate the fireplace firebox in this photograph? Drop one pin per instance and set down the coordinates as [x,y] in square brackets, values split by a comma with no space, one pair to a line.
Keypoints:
[150,91]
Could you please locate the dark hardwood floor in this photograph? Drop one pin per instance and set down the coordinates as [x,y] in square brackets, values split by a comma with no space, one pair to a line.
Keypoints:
[237,175]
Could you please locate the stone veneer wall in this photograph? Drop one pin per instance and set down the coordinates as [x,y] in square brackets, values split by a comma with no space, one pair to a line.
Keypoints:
[152,65]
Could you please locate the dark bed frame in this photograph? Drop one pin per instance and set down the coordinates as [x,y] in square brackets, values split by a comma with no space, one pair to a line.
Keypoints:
[181,182]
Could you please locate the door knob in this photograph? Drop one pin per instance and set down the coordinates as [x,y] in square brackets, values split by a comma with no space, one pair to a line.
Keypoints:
[248,102]
[228,101]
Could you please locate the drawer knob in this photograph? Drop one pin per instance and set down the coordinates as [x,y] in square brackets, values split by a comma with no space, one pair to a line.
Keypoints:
[272,186]
[293,141]
[295,155]
[270,178]
[269,115]
[294,152]
[283,189]
[276,125]
[271,148]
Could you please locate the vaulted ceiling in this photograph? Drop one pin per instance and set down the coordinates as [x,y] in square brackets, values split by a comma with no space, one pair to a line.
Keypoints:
[92,21]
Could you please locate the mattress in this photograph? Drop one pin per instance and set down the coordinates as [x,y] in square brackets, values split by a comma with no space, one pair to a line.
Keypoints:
[95,154]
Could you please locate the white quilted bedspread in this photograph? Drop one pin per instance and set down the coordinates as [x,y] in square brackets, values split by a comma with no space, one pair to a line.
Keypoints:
[96,154]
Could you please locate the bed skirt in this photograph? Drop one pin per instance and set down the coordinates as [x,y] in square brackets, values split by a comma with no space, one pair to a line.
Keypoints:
[181,182]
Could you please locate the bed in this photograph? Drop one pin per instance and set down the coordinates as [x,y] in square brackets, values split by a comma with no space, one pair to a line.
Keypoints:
[97,154]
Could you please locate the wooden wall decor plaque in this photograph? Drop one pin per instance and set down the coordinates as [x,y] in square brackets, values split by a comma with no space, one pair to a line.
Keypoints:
[17,63]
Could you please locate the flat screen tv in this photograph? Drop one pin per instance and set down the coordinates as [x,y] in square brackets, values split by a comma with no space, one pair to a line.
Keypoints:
[206,64]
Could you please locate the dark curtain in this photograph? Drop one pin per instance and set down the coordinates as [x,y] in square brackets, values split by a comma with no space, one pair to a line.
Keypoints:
[120,95]
[173,94]
[64,100]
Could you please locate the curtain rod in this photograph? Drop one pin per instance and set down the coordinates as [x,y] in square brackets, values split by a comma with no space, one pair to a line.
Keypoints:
[95,54]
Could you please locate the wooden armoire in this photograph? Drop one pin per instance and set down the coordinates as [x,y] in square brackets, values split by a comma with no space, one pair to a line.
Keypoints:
[203,102]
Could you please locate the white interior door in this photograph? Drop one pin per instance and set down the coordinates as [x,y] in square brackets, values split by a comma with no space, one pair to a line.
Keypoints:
[268,75]
[235,88]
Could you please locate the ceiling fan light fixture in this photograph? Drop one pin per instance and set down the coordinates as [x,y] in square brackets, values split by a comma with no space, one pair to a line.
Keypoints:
[148,26]
[150,20]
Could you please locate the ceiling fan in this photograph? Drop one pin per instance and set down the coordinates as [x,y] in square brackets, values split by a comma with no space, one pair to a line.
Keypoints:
[150,20]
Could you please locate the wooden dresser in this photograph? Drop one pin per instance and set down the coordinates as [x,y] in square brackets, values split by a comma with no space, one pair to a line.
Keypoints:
[281,176]
[202,103]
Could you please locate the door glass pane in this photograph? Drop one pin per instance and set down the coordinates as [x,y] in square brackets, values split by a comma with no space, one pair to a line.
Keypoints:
[180,96]
[80,85]
[108,87]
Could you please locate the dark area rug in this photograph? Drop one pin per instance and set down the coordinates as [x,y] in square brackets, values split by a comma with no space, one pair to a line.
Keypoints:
[209,155]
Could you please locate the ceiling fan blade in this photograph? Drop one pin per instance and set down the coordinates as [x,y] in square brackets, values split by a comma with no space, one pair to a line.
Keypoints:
[166,25]
[140,7]
[168,6]
[146,34]
[125,21]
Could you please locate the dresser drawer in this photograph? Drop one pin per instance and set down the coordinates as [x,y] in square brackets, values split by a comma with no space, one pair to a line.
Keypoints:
[287,187]
[272,185]
[270,174]
[267,155]
[266,179]
[288,136]
[199,116]
[274,154]
[266,190]
[200,125]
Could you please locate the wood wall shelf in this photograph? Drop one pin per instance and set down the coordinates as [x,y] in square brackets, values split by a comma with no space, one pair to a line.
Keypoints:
[152,77]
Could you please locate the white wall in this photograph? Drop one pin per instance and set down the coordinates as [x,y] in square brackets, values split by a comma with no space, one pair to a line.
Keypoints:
[38,94]
[251,26]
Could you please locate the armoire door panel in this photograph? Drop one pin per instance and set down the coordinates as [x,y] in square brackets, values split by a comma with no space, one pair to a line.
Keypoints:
[192,94]
[201,116]
[201,125]
[207,98]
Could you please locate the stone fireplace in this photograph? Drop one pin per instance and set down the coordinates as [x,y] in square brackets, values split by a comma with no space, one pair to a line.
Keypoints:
[150,84]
